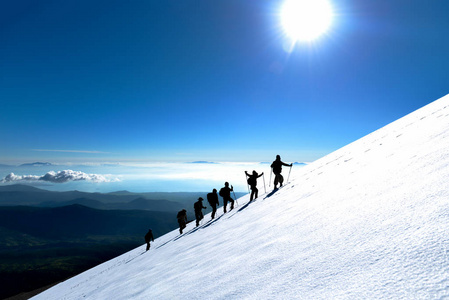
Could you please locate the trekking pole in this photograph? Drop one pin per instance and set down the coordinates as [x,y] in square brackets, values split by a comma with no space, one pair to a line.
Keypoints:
[289,173]
[263,176]
[269,183]
[247,185]
[235,198]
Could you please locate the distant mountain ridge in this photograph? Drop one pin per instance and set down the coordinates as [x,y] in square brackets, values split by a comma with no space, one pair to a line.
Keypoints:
[19,194]
[12,195]
[37,164]
[20,188]
[136,204]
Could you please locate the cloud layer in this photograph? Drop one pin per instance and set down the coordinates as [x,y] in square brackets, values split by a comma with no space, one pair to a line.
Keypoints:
[58,177]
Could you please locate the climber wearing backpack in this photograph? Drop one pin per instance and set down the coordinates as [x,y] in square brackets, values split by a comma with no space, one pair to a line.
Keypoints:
[277,169]
[198,207]
[182,220]
[225,193]
[149,238]
[212,198]
[252,181]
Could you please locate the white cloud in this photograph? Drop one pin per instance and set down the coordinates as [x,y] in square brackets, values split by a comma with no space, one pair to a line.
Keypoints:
[59,177]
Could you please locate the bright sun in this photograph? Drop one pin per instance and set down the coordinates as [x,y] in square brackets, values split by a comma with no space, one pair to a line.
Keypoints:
[306,20]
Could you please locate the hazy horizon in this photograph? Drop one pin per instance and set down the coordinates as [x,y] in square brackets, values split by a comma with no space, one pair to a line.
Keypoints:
[145,177]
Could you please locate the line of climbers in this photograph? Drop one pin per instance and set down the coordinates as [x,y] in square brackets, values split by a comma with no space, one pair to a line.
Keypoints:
[212,198]
[225,193]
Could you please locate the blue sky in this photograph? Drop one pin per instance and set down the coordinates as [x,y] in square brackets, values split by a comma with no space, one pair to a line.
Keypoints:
[113,81]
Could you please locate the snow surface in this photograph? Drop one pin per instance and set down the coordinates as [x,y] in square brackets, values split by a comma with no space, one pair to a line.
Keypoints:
[369,221]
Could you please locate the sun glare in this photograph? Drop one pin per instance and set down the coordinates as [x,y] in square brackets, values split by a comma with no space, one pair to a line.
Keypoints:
[306,20]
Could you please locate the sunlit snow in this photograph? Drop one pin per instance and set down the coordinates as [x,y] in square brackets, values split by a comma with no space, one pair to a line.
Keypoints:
[369,221]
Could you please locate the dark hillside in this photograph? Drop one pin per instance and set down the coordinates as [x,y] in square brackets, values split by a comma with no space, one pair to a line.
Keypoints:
[77,221]
[136,204]
[40,246]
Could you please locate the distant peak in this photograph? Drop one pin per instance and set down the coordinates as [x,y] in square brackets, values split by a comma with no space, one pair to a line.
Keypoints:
[20,188]
[37,164]
[120,192]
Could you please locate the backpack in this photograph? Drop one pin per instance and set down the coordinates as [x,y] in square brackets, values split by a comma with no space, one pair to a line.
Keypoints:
[277,167]
[198,206]
[252,181]
[221,192]
[210,199]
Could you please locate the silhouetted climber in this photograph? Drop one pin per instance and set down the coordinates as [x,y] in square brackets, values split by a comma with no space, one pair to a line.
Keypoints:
[277,169]
[212,198]
[252,181]
[198,207]
[225,192]
[182,220]
[149,238]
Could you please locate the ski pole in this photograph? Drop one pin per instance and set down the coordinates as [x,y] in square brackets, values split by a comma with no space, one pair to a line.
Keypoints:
[263,176]
[246,178]
[289,172]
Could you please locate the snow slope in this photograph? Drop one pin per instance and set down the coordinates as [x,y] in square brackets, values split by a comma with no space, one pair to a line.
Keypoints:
[369,221]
